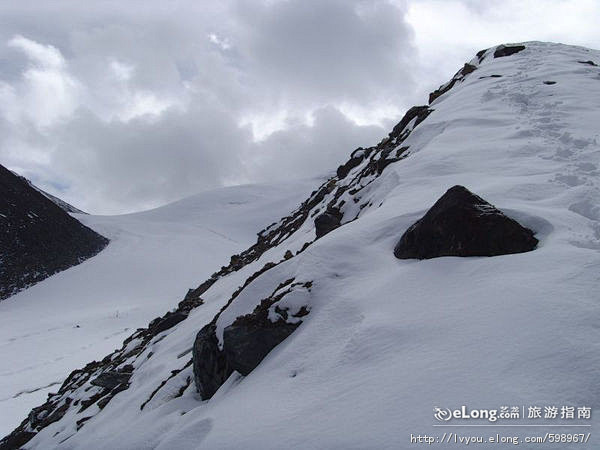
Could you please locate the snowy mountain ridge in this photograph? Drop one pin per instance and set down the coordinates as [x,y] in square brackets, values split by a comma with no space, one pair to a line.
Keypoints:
[59,202]
[377,343]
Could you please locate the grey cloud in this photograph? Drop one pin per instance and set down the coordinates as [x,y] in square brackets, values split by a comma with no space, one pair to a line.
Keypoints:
[160,92]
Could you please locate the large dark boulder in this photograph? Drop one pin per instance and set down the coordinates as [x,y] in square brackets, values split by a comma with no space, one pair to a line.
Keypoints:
[38,238]
[461,223]
[328,221]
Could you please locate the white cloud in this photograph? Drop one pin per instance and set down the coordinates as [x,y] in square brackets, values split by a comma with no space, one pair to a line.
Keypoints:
[46,92]
[45,55]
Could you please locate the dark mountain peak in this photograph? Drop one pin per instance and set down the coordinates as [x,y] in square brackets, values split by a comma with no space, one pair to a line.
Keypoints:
[39,238]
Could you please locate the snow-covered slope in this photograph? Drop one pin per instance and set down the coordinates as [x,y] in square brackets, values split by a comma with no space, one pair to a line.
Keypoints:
[153,258]
[385,341]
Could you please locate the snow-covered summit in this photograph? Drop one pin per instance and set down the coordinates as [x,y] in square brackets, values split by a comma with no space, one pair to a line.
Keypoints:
[381,342]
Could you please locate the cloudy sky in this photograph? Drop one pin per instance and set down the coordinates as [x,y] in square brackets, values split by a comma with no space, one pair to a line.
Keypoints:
[121,106]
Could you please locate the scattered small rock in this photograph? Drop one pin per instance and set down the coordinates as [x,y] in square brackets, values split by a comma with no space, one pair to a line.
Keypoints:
[550,82]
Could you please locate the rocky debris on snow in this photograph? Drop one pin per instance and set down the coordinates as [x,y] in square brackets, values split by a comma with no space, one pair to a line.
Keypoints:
[328,221]
[385,159]
[111,379]
[99,381]
[481,55]
[470,67]
[169,320]
[39,238]
[507,50]
[174,374]
[245,342]
[416,113]
[250,338]
[462,224]
[356,158]
[459,76]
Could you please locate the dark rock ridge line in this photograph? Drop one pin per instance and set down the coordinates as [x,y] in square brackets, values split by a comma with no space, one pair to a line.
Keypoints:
[507,50]
[499,52]
[38,237]
[67,207]
[363,168]
[461,223]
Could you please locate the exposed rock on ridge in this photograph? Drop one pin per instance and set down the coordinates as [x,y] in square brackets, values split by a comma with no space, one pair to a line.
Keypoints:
[461,223]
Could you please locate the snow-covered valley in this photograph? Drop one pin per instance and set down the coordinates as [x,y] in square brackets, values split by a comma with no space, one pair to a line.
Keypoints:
[154,256]
[384,341]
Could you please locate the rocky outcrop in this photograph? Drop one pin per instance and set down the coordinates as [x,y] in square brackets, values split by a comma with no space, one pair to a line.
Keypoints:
[111,379]
[211,368]
[169,320]
[356,158]
[246,341]
[38,237]
[462,224]
[328,221]
[470,67]
[507,50]
[458,76]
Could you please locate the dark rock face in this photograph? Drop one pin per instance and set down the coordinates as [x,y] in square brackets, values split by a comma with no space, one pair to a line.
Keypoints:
[507,50]
[211,368]
[38,238]
[246,341]
[462,224]
[328,221]
[589,63]
[247,344]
